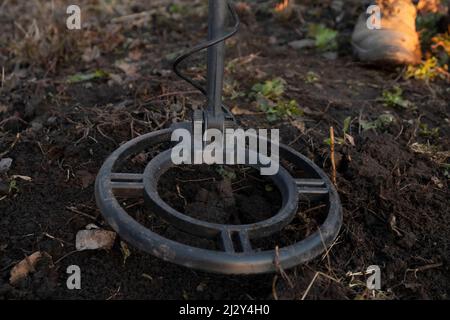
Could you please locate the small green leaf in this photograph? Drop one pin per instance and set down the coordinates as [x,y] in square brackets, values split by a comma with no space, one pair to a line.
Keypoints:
[312,77]
[337,141]
[347,123]
[83,77]
[126,253]
[326,38]
[394,98]
[13,186]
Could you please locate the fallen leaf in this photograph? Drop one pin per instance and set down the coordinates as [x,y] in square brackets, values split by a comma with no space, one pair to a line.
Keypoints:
[115,78]
[350,139]
[240,111]
[94,239]
[300,125]
[129,69]
[24,267]
[86,178]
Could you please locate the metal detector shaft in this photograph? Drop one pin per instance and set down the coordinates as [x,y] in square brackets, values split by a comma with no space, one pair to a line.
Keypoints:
[216,56]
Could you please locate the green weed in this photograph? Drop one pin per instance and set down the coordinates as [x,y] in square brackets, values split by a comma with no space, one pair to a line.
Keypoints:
[394,99]
[269,98]
[326,38]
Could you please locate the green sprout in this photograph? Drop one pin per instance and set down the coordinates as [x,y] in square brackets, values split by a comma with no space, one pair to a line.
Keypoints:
[381,123]
[83,77]
[312,77]
[326,38]
[269,98]
[13,186]
[394,98]
[345,135]
[271,89]
[426,132]
[226,173]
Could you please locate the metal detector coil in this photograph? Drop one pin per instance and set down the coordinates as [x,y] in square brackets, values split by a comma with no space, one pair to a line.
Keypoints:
[236,253]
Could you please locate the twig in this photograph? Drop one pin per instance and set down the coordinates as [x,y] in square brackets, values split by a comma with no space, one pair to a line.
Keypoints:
[61,241]
[424,268]
[181,196]
[274,287]
[333,159]
[74,210]
[314,209]
[3,76]
[318,273]
[196,180]
[65,256]
[134,16]
[310,286]
[171,94]
[11,146]
[279,268]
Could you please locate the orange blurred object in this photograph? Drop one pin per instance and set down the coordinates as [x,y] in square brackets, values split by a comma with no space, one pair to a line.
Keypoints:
[282,6]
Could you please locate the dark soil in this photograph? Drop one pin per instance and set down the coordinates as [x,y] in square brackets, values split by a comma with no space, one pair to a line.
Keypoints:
[395,193]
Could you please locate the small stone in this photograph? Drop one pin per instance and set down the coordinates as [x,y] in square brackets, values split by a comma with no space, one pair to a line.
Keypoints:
[302,44]
[337,5]
[36,126]
[95,239]
[330,55]
[5,164]
[201,287]
[52,120]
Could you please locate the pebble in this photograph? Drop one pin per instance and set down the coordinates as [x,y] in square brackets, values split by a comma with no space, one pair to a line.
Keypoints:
[303,44]
[5,164]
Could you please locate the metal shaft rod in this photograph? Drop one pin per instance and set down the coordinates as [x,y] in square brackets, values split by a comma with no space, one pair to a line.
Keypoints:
[216,56]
